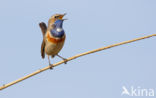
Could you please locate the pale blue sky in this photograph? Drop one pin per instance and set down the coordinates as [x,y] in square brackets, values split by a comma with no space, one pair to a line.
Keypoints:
[92,24]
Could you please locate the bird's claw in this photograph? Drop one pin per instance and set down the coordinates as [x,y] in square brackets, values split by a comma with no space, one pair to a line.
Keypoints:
[51,66]
[65,61]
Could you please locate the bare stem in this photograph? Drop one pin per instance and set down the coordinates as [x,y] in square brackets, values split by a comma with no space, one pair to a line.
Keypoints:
[71,58]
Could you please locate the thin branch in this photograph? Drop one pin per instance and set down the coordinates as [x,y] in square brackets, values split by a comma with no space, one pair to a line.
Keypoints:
[71,58]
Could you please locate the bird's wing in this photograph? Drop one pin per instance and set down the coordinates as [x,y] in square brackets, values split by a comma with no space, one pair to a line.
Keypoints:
[43,29]
[43,49]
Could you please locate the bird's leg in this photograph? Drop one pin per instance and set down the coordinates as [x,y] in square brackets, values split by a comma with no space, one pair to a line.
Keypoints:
[51,65]
[65,60]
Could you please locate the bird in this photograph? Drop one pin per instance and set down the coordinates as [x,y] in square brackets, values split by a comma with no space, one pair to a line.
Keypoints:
[53,37]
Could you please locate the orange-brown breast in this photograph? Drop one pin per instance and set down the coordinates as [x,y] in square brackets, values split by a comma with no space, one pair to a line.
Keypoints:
[55,40]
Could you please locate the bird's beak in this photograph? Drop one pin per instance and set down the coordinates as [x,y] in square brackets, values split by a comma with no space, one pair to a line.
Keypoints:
[61,16]
[64,19]
[64,14]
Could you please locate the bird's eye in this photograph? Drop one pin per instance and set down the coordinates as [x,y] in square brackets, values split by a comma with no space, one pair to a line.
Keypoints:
[56,16]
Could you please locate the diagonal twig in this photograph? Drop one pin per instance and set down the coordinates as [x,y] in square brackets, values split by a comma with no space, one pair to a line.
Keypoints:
[71,58]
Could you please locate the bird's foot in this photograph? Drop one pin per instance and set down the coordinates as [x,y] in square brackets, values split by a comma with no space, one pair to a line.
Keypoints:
[51,66]
[65,60]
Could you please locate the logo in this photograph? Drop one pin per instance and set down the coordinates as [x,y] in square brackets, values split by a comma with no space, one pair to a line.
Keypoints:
[138,91]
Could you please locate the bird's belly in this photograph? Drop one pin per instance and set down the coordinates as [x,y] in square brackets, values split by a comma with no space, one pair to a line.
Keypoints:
[53,48]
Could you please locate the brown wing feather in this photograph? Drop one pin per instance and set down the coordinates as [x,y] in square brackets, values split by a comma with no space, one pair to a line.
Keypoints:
[43,49]
[43,29]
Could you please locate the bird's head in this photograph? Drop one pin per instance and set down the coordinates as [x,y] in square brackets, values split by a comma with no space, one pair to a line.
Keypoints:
[55,17]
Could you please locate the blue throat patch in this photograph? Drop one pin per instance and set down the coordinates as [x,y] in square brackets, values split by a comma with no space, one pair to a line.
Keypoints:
[55,33]
[57,30]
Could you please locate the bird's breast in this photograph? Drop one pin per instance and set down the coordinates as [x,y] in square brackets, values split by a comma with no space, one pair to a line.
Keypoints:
[53,39]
